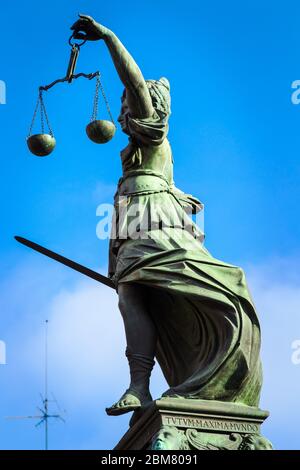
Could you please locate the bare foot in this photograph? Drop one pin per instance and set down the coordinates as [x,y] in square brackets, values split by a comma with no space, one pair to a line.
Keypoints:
[128,402]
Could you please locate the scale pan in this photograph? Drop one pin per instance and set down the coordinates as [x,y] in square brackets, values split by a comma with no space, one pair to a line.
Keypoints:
[41,144]
[100,131]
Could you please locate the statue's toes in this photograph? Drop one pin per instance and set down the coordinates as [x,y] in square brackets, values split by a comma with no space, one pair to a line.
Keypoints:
[126,403]
[122,403]
[130,401]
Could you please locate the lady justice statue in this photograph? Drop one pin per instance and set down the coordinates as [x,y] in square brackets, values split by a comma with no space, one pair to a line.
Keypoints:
[190,311]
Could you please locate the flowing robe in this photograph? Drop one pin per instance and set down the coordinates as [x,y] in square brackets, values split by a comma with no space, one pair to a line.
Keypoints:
[208,330]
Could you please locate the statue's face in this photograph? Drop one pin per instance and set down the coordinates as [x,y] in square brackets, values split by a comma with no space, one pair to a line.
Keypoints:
[258,443]
[167,438]
[123,117]
[262,443]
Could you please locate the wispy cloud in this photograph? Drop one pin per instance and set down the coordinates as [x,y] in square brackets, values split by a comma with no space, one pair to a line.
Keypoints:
[275,285]
[87,366]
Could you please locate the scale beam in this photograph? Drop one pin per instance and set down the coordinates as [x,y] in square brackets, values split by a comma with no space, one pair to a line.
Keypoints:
[89,76]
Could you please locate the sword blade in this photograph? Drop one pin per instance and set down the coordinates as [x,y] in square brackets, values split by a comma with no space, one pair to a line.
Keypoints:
[67,262]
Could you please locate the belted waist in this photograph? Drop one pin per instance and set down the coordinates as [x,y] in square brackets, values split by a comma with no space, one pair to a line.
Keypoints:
[149,182]
[139,183]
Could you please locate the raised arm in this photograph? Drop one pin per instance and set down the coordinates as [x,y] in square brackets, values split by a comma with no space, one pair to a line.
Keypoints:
[137,93]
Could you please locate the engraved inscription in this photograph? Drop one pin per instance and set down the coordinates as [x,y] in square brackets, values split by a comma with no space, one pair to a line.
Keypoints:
[211,424]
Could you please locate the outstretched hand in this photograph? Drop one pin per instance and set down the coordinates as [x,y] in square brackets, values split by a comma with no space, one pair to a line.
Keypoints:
[87,28]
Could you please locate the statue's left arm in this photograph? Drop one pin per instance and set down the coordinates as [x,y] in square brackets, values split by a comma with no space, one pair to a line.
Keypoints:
[137,93]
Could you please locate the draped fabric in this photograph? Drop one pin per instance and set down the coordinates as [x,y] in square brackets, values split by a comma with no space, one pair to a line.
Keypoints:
[208,330]
[151,130]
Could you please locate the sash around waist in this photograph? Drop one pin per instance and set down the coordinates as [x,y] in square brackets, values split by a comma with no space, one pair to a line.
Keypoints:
[147,182]
[142,183]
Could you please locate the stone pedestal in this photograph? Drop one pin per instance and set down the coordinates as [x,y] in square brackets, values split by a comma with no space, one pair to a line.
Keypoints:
[185,424]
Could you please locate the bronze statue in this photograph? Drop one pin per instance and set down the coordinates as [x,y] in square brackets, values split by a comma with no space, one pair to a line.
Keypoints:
[191,311]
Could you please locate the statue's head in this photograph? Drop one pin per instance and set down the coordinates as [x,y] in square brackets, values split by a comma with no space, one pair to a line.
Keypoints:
[167,438]
[160,94]
[161,100]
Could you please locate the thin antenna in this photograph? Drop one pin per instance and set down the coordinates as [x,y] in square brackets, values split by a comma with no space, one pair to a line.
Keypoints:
[44,416]
[46,385]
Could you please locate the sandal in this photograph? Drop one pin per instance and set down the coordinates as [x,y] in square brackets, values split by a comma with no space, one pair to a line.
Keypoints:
[131,402]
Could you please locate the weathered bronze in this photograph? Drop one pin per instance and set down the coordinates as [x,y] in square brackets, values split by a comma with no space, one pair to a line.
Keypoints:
[44,143]
[182,424]
[66,261]
[89,76]
[100,131]
[180,305]
[41,145]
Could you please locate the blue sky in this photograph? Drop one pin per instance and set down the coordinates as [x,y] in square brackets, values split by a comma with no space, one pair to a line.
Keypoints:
[234,133]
